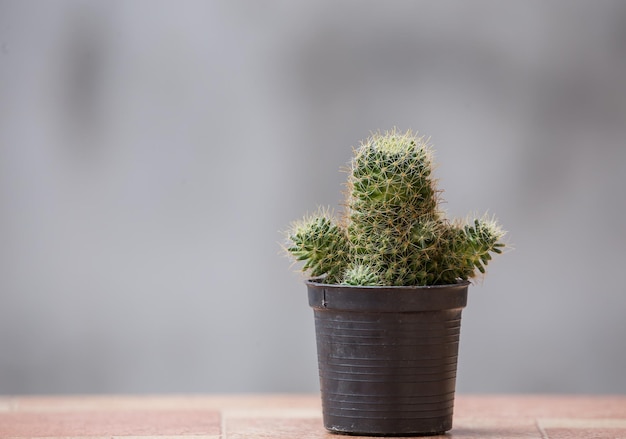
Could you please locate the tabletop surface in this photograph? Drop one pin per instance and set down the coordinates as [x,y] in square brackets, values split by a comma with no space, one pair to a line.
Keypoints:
[294,416]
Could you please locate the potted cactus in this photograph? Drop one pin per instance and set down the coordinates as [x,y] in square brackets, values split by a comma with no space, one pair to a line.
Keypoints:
[387,283]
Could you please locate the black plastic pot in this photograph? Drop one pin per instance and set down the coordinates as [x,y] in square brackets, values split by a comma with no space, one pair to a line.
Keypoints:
[387,357]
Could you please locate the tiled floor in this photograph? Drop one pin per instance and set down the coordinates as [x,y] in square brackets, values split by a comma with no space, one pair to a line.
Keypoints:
[290,416]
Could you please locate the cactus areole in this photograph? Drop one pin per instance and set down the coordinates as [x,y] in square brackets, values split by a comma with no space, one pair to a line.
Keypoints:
[393,232]
[388,282]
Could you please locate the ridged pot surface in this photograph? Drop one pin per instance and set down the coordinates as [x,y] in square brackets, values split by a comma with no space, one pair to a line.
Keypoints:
[387,356]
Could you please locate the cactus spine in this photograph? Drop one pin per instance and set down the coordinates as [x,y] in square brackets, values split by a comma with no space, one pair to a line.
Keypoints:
[393,232]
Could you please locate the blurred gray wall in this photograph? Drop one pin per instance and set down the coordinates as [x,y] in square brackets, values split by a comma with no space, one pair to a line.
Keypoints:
[151,153]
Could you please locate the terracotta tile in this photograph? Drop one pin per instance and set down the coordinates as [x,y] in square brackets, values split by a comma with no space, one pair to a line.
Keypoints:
[284,412]
[5,404]
[107,403]
[111,423]
[290,416]
[275,428]
[487,427]
[158,402]
[581,433]
[542,406]
[582,428]
[276,422]
[108,436]
[263,426]
[582,422]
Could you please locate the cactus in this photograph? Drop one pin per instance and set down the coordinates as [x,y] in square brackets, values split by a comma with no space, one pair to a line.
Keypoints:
[322,244]
[393,232]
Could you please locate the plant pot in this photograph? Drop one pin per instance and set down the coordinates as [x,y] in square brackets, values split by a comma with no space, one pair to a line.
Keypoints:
[387,357]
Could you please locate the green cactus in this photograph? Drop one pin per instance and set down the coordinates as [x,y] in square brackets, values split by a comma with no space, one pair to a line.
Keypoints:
[361,275]
[322,244]
[393,232]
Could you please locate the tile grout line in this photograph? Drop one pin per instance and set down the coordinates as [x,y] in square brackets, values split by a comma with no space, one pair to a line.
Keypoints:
[222,425]
[542,430]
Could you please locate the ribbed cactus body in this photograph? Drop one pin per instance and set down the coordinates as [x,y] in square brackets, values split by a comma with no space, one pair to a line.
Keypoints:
[394,171]
[393,214]
[393,232]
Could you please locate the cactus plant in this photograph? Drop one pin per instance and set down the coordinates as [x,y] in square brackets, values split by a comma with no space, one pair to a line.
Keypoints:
[393,232]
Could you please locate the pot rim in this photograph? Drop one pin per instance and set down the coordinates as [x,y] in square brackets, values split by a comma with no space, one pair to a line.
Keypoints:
[317,282]
[386,299]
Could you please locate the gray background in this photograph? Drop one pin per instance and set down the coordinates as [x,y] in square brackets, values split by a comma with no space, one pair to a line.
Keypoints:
[151,153]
